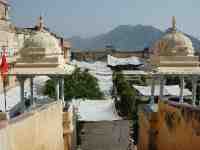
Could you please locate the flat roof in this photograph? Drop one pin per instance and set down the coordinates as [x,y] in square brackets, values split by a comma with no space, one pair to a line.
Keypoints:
[115,61]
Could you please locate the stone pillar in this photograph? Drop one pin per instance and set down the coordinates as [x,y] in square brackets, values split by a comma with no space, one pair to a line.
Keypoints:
[152,89]
[31,90]
[162,84]
[182,84]
[57,88]
[194,89]
[21,82]
[63,90]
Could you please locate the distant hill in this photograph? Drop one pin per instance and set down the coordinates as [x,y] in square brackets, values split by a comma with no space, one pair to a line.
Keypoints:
[125,37]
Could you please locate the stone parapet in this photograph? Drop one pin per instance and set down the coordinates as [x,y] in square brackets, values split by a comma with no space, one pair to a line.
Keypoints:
[175,126]
[40,129]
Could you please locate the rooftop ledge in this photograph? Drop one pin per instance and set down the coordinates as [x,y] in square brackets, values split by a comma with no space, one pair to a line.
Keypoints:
[184,105]
[4,122]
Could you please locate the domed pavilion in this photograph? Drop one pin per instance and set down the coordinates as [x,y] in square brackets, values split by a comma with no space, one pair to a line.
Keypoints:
[174,49]
[41,55]
[172,55]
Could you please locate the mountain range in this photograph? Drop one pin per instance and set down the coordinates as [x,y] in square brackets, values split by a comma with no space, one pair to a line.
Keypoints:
[125,37]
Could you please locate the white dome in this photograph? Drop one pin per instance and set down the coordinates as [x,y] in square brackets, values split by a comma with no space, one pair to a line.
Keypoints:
[174,43]
[43,40]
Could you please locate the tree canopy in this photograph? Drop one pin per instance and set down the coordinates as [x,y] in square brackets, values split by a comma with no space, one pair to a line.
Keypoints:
[80,84]
[127,103]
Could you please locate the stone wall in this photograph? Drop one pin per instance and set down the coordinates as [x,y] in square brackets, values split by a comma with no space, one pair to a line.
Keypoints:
[104,135]
[173,127]
[140,54]
[40,129]
[102,55]
[69,130]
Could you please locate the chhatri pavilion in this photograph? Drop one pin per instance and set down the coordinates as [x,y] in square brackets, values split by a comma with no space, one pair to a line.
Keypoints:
[41,55]
[171,55]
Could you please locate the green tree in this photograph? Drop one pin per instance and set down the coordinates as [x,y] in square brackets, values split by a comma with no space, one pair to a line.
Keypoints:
[127,103]
[81,84]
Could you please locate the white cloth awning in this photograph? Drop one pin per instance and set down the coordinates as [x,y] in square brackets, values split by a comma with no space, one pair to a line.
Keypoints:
[96,110]
[169,90]
[113,61]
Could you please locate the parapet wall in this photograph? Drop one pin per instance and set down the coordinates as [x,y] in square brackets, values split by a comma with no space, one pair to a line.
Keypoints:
[41,129]
[173,127]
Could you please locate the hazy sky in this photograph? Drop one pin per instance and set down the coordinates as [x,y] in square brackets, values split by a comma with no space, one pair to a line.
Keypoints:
[91,17]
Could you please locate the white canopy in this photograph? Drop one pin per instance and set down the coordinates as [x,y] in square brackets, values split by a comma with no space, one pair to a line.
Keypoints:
[96,110]
[169,90]
[113,61]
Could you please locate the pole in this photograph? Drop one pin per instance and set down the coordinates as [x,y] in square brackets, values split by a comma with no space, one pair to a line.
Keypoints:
[194,90]
[152,89]
[57,87]
[162,84]
[4,92]
[181,90]
[63,90]
[31,88]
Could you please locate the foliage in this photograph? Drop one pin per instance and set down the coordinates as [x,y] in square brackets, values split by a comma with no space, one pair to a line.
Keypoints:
[128,103]
[172,80]
[50,88]
[138,80]
[81,84]
[127,95]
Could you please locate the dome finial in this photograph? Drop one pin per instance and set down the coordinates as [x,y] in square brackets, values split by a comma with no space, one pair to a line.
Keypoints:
[174,23]
[40,24]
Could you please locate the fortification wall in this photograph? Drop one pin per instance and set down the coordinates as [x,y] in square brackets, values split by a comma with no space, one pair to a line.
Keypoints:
[173,127]
[41,129]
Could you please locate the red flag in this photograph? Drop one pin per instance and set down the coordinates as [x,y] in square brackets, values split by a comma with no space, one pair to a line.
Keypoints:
[4,66]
